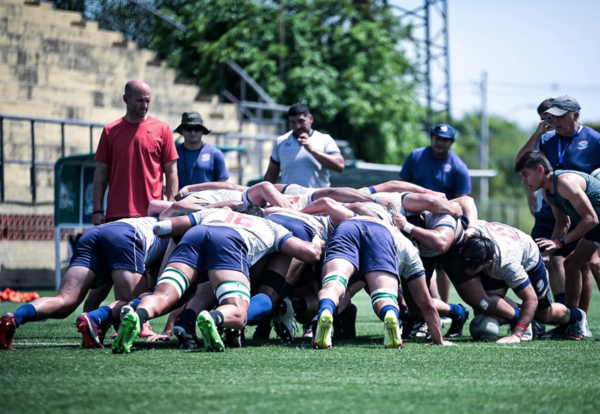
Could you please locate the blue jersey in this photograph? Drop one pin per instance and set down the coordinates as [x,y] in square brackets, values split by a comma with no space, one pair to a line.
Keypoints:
[579,153]
[200,166]
[449,175]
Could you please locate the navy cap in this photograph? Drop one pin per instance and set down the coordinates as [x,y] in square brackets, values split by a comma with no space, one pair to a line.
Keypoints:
[562,105]
[443,131]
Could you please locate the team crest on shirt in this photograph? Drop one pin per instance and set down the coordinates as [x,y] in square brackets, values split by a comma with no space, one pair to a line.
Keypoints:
[581,145]
[447,167]
[540,285]
[205,157]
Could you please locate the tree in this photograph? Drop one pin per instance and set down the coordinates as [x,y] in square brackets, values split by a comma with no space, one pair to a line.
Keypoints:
[341,58]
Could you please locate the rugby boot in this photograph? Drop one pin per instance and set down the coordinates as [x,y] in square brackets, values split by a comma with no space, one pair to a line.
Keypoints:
[8,326]
[233,338]
[128,332]
[560,332]
[210,334]
[92,335]
[262,331]
[392,328]
[186,336]
[456,328]
[307,330]
[283,322]
[538,328]
[322,338]
[577,330]
[347,323]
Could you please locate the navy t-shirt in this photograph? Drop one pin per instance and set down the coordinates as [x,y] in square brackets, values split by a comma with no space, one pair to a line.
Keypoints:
[581,153]
[449,175]
[200,166]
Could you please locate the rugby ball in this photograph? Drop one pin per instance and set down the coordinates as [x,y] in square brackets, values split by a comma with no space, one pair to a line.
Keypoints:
[596,174]
[484,328]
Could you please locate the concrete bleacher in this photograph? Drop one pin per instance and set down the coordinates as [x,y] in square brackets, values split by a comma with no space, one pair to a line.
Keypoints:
[54,65]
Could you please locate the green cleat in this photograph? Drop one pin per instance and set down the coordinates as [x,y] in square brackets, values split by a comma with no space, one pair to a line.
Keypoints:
[393,331]
[322,338]
[129,331]
[210,335]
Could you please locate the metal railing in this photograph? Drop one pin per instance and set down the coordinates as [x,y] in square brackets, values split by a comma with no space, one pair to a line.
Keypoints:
[34,163]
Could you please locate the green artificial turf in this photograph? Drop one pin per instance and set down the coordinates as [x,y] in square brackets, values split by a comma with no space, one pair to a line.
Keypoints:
[47,372]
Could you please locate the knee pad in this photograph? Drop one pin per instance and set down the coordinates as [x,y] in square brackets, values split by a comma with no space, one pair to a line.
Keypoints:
[174,278]
[232,289]
[335,277]
[384,294]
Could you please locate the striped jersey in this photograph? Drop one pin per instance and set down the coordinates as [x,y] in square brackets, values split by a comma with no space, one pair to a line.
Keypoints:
[409,262]
[154,246]
[261,236]
[321,225]
[433,221]
[516,253]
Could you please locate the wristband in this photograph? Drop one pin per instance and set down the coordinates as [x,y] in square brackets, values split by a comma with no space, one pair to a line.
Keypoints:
[97,212]
[520,325]
[408,228]
[537,134]
[560,242]
[376,198]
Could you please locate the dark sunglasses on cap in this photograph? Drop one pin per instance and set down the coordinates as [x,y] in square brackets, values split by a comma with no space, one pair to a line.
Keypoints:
[191,128]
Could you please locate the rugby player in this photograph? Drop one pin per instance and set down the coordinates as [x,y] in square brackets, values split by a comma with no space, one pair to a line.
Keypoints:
[508,258]
[573,196]
[119,251]
[220,246]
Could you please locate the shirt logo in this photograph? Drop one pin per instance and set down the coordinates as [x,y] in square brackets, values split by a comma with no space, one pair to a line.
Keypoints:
[540,285]
[444,128]
[581,145]
[205,157]
[447,167]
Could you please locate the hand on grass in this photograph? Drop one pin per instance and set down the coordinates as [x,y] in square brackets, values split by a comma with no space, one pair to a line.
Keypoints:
[512,339]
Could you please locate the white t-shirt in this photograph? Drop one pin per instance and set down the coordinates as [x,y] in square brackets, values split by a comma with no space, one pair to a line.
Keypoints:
[516,253]
[261,236]
[297,165]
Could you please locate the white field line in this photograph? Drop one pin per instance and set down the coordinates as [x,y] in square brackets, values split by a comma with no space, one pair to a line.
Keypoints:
[47,343]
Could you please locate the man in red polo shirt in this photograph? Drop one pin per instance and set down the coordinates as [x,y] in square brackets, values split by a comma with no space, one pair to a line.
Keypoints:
[132,155]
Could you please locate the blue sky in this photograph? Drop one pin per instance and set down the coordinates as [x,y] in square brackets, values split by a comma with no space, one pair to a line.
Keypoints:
[531,50]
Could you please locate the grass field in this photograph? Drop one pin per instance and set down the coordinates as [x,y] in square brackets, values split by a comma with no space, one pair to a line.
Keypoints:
[48,372]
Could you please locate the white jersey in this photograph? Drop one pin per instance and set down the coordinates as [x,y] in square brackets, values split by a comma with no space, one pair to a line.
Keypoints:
[295,189]
[434,221]
[409,262]
[261,236]
[382,212]
[321,225]
[215,196]
[397,199]
[154,246]
[299,202]
[365,190]
[516,253]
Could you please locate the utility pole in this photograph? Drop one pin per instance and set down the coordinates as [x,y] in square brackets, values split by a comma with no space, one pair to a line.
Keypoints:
[281,37]
[484,137]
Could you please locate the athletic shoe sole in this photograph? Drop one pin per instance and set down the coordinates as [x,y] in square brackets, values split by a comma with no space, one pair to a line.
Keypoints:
[128,333]
[323,334]
[87,330]
[7,331]
[394,333]
[210,335]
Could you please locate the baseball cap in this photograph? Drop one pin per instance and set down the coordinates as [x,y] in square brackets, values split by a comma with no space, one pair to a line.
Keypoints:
[443,131]
[562,105]
[192,119]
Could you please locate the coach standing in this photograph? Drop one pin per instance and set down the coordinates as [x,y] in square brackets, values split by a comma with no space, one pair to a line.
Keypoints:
[440,169]
[199,162]
[304,156]
[132,155]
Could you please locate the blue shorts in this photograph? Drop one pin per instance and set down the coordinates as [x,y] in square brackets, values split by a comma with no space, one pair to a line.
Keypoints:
[110,247]
[298,227]
[368,246]
[209,247]
[538,278]
[543,228]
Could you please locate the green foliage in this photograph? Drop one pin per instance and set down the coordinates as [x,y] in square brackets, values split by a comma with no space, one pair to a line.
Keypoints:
[341,58]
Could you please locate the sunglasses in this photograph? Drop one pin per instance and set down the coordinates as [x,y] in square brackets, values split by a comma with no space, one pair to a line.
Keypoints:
[193,128]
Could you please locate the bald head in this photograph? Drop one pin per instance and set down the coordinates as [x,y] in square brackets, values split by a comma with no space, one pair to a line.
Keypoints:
[137,98]
[135,85]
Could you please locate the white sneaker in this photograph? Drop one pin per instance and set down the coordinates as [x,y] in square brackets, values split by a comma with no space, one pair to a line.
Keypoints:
[283,322]
[527,335]
[577,330]
[588,332]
